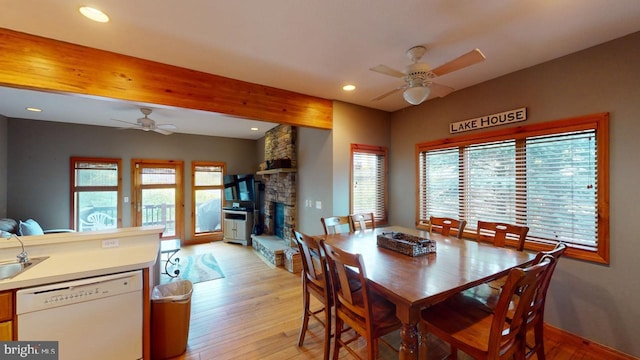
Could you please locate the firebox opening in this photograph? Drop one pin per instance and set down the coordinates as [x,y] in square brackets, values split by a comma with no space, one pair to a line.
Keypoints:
[278,221]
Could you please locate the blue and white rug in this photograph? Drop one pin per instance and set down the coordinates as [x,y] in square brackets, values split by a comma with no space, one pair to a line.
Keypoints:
[195,268]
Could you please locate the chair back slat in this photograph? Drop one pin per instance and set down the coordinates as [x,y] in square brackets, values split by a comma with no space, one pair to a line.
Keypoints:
[362,221]
[350,296]
[313,263]
[444,225]
[336,224]
[498,233]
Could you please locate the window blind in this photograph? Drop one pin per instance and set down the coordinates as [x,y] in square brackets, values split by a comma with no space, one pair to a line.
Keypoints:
[368,191]
[547,182]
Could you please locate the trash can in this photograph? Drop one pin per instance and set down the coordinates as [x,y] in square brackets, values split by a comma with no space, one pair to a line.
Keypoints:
[170,316]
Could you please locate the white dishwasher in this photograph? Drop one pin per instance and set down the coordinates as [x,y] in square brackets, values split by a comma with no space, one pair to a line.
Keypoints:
[93,318]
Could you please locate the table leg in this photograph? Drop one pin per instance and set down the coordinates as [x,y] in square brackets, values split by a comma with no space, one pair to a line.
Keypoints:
[409,344]
[409,316]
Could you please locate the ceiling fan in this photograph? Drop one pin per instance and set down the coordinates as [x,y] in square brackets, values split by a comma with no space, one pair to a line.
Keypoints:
[147,124]
[419,76]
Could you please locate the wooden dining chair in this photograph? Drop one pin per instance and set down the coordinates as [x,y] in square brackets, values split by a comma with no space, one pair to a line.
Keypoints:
[444,225]
[315,282]
[356,305]
[362,221]
[336,224]
[488,297]
[535,320]
[465,323]
[498,233]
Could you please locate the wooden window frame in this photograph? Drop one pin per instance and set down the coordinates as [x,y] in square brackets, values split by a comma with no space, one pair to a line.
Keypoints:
[376,150]
[136,188]
[598,122]
[213,235]
[74,189]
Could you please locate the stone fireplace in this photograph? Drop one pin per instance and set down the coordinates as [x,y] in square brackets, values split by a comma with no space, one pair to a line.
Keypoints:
[280,183]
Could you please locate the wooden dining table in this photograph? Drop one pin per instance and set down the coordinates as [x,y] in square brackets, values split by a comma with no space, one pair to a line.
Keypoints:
[414,283]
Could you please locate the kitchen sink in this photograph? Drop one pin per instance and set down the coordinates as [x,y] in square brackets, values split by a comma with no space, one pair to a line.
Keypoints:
[11,268]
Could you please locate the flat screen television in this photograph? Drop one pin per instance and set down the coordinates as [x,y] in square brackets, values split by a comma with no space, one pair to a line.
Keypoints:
[239,187]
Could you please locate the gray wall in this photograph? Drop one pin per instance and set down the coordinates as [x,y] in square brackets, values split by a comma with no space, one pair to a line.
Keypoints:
[594,301]
[39,152]
[314,178]
[324,160]
[3,165]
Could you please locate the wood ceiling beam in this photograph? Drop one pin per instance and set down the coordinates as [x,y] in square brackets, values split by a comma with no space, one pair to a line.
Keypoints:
[37,63]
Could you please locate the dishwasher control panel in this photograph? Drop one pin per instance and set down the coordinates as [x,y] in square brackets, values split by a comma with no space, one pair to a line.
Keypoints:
[76,291]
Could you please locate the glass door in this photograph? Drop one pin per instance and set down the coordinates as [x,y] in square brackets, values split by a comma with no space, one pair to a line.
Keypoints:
[157,196]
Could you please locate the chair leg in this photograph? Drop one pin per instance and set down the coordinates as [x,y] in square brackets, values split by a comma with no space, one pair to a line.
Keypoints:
[372,349]
[336,339]
[539,339]
[305,316]
[327,331]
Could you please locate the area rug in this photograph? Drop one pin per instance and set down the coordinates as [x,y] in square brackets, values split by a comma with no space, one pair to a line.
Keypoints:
[195,268]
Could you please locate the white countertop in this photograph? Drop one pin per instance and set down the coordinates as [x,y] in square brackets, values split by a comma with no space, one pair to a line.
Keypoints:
[79,255]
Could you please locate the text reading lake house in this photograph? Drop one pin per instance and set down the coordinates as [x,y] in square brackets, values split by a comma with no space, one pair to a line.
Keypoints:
[486,121]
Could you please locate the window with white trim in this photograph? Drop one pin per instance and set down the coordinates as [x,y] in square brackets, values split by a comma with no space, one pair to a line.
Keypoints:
[551,177]
[369,181]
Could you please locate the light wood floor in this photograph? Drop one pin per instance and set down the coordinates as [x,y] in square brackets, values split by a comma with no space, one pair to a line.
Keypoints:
[254,312]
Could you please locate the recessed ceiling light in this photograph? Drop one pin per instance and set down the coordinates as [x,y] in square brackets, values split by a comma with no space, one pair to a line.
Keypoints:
[254,129]
[94,14]
[349,87]
[33,109]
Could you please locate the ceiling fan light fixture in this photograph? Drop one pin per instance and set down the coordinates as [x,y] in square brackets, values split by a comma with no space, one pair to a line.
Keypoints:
[415,95]
[94,14]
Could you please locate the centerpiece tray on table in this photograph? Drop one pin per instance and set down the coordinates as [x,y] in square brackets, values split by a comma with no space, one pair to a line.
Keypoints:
[406,244]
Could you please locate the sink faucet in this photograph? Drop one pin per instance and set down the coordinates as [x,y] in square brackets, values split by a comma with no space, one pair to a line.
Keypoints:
[23,257]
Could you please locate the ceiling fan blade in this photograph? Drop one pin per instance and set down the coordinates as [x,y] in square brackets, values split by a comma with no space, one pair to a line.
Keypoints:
[162,131]
[127,122]
[166,126]
[438,90]
[389,93]
[383,69]
[472,57]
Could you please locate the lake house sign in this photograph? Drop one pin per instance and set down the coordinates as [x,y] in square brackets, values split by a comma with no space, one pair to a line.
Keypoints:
[486,121]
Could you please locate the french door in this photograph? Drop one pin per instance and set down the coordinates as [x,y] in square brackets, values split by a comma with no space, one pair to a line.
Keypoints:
[158,195]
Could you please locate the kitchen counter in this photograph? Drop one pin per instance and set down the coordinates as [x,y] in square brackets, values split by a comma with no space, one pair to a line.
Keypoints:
[83,254]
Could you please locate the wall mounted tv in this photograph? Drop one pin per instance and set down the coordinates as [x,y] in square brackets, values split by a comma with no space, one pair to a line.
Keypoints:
[239,187]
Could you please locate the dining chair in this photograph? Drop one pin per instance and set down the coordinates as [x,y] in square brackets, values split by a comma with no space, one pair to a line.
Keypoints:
[315,282]
[336,224]
[444,225]
[535,320]
[362,221]
[356,305]
[488,297]
[498,233]
[465,323]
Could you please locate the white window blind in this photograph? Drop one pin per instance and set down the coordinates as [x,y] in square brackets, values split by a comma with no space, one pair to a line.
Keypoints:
[548,183]
[368,186]
[439,184]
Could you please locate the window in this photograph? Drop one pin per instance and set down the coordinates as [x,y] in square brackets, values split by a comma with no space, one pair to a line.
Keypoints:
[207,181]
[157,192]
[96,189]
[369,181]
[551,177]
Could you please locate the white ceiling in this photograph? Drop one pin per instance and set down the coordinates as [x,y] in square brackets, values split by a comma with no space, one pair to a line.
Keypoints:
[310,47]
